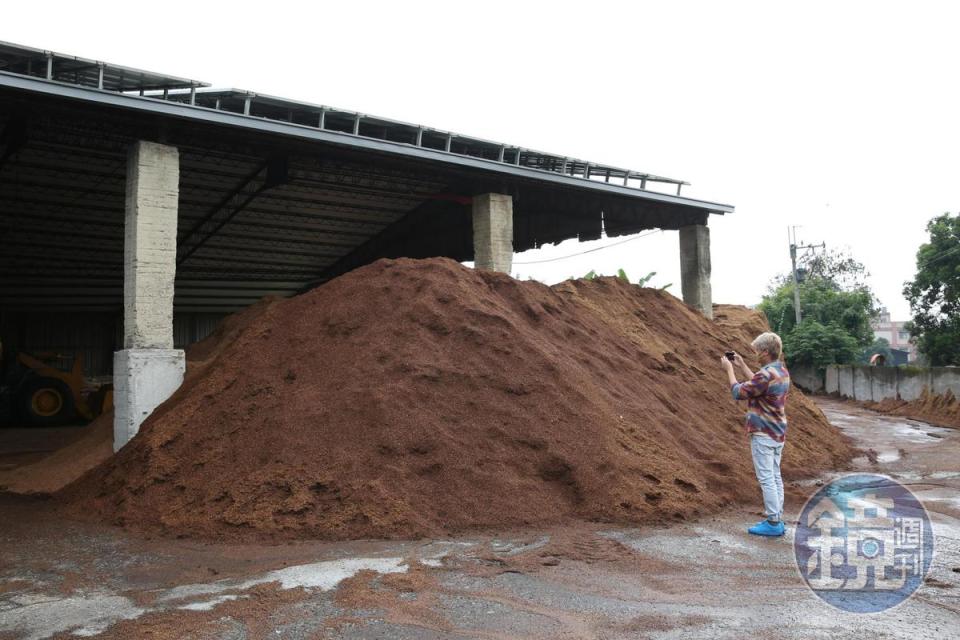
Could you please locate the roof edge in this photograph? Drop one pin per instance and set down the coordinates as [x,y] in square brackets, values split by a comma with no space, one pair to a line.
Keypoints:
[226,118]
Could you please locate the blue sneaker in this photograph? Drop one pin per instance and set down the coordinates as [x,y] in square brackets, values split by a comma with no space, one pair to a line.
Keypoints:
[764,528]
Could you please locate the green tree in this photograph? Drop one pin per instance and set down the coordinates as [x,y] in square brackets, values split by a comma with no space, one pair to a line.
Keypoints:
[934,293]
[837,307]
[819,345]
[838,267]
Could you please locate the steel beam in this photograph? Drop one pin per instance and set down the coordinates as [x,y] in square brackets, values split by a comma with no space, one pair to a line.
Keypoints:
[198,235]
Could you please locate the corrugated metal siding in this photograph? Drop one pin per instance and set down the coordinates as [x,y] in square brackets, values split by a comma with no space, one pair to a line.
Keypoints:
[94,336]
[193,327]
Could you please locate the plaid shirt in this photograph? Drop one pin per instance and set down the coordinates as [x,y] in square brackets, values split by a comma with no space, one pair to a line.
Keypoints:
[766,396]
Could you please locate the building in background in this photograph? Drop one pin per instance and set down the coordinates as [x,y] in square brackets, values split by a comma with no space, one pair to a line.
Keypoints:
[895,332]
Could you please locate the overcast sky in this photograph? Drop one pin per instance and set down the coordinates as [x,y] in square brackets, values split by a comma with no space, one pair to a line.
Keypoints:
[840,117]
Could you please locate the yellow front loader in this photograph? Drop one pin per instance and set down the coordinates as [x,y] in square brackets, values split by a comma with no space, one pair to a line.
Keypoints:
[41,394]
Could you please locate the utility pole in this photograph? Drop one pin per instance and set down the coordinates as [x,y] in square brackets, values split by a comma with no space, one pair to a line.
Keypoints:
[792,237]
[796,280]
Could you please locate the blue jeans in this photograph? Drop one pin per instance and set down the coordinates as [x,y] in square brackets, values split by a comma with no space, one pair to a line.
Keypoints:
[766,463]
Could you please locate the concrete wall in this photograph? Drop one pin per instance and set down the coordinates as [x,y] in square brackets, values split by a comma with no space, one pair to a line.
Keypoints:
[880,383]
[831,380]
[883,383]
[845,382]
[807,378]
[911,382]
[862,385]
[946,378]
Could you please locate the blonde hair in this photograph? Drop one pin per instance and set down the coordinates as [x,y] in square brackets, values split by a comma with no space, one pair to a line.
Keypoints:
[769,342]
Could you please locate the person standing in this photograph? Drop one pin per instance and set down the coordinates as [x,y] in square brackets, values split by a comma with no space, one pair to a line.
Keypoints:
[766,394]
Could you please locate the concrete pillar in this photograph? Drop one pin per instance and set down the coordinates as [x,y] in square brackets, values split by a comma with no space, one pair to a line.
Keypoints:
[142,379]
[149,369]
[493,232]
[695,267]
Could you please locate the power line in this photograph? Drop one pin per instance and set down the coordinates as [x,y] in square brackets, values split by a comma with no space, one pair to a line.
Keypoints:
[938,256]
[573,255]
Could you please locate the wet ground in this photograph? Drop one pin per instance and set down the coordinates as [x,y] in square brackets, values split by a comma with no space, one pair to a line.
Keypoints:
[703,579]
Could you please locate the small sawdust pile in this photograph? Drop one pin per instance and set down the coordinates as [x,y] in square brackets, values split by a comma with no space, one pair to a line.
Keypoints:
[51,473]
[409,598]
[941,409]
[419,398]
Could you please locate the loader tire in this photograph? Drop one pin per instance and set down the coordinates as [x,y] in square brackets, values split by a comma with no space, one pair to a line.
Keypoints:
[46,402]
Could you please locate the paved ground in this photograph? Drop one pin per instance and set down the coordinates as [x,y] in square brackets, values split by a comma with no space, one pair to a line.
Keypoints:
[704,579]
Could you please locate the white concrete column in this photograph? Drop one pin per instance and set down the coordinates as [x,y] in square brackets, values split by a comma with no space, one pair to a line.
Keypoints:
[493,232]
[695,267]
[149,369]
[150,245]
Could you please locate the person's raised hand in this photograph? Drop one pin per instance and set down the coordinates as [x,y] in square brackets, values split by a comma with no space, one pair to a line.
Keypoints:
[726,364]
[738,360]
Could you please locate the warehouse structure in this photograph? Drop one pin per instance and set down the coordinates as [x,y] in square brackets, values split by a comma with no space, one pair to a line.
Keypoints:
[136,209]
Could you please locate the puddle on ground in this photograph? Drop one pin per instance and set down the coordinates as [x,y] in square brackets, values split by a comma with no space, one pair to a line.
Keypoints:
[918,433]
[944,475]
[888,456]
[907,476]
[40,616]
[207,605]
[433,553]
[318,575]
[516,547]
[938,494]
[887,435]
[432,562]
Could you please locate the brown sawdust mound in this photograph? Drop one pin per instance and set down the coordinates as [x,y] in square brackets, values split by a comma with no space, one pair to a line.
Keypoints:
[939,409]
[741,322]
[419,397]
[202,354]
